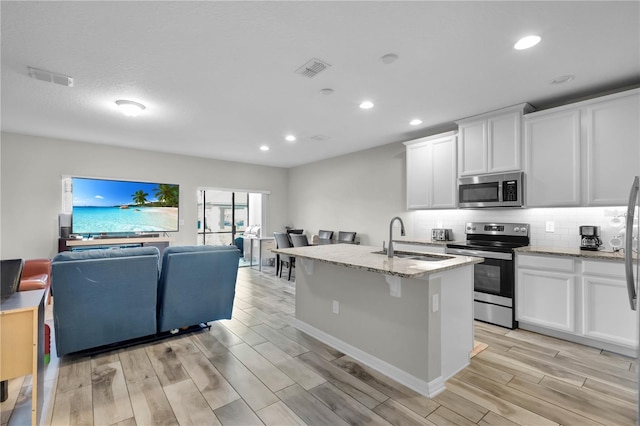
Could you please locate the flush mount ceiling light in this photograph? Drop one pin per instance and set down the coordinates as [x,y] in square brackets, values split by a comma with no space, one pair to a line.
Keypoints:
[415,122]
[366,105]
[562,79]
[290,138]
[264,148]
[527,42]
[130,108]
[389,58]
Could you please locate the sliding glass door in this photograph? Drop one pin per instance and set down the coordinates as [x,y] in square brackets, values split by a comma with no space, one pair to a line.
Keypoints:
[222,216]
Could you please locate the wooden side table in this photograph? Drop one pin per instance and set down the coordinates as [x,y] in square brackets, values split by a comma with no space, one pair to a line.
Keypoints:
[22,342]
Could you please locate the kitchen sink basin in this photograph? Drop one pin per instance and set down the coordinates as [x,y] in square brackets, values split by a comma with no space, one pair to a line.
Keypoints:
[416,256]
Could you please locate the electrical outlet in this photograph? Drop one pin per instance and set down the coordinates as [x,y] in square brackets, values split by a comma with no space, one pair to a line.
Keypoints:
[550,226]
[438,223]
[336,307]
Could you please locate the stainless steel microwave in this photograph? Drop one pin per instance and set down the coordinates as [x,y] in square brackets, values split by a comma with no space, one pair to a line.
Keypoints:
[495,190]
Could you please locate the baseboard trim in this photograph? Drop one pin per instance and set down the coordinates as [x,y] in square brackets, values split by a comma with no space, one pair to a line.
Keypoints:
[583,340]
[428,389]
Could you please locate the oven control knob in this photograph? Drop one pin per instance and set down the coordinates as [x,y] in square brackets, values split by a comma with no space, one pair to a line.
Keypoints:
[516,229]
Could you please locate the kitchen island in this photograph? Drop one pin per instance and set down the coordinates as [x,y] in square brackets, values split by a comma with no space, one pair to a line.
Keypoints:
[408,318]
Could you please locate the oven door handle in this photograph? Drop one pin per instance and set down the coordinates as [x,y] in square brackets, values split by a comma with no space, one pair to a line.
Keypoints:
[480,253]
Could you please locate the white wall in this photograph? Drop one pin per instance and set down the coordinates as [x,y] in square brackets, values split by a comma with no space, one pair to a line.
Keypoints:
[31,169]
[358,192]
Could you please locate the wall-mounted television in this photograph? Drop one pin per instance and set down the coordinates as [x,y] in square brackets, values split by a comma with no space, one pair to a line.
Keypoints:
[103,206]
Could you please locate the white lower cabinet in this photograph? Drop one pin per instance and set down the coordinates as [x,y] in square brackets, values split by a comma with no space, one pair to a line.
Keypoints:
[546,292]
[576,299]
[547,299]
[607,314]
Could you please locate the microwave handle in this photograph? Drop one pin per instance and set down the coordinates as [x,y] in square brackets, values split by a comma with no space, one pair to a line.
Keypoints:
[500,194]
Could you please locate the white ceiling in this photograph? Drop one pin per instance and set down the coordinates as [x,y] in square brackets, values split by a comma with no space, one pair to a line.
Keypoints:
[218,77]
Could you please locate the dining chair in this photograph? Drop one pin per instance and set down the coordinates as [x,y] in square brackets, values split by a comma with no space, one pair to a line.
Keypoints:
[299,240]
[293,231]
[325,235]
[346,237]
[282,241]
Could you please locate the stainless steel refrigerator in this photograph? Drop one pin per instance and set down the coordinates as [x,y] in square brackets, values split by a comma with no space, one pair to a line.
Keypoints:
[631,248]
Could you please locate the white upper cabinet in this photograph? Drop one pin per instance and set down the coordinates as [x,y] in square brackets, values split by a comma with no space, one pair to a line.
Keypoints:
[583,154]
[552,159]
[491,142]
[613,149]
[431,172]
[472,148]
[418,157]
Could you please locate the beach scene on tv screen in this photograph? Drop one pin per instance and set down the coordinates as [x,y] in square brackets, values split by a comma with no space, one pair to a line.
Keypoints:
[105,206]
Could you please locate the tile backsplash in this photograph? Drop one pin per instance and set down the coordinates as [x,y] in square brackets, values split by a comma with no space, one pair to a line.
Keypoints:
[566,222]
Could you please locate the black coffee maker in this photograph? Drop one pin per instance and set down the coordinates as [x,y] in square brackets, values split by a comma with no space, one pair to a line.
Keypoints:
[590,238]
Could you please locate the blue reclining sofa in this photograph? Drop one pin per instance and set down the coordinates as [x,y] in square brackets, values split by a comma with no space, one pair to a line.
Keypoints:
[108,296]
[197,285]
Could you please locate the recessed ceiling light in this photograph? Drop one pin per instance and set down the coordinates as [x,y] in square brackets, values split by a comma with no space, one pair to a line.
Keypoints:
[562,79]
[389,58]
[527,42]
[130,108]
[290,138]
[415,122]
[326,91]
[264,148]
[366,105]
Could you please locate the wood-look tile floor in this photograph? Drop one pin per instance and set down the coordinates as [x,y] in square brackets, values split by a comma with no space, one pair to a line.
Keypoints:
[256,369]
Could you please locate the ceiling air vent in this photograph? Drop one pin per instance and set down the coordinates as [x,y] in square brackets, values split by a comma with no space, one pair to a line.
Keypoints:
[312,68]
[51,77]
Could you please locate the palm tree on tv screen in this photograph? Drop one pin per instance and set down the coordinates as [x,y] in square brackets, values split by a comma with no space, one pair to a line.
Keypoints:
[140,197]
[167,195]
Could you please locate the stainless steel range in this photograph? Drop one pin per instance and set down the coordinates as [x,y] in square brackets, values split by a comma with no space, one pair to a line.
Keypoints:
[494,279]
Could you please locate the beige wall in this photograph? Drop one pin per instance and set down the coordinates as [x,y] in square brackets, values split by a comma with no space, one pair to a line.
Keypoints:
[31,169]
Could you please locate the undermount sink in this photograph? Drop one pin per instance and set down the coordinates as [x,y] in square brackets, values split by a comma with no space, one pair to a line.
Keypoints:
[416,256]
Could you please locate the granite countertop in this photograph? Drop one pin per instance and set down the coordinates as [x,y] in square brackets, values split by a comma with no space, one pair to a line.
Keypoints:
[362,257]
[570,252]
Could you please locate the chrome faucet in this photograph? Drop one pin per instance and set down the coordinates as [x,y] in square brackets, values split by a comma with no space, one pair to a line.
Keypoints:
[390,249]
